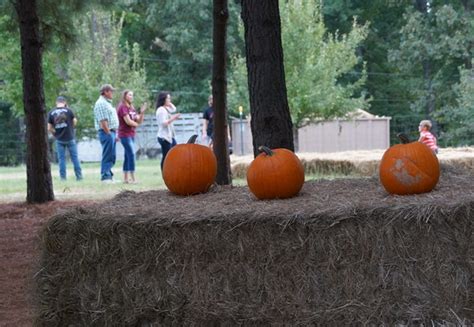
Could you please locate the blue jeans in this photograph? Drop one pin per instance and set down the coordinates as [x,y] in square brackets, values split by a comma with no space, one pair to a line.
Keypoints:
[108,154]
[129,158]
[165,147]
[61,147]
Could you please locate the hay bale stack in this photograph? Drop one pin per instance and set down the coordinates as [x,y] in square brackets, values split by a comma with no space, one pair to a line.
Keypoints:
[342,253]
[458,157]
[353,163]
[357,163]
[239,170]
[322,166]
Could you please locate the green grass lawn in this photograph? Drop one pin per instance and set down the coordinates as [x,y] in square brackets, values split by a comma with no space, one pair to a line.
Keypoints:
[148,174]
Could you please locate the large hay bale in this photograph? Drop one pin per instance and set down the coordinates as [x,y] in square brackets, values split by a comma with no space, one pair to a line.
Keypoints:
[342,253]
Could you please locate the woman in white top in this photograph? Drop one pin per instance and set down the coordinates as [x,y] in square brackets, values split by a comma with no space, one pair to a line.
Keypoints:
[165,119]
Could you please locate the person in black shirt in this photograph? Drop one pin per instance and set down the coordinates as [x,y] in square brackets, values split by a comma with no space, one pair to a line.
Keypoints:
[208,126]
[61,123]
[208,123]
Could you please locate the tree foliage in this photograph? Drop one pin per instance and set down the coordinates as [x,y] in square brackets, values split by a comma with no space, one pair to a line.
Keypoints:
[438,36]
[385,51]
[99,58]
[413,50]
[177,40]
[10,133]
[459,118]
[10,70]
[384,18]
[58,27]
[315,67]
[238,92]
[316,62]
[432,46]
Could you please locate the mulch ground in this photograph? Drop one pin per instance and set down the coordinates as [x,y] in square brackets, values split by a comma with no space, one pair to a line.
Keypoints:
[19,226]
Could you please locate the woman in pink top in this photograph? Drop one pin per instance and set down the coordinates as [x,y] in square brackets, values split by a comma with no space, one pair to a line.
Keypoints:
[426,136]
[129,120]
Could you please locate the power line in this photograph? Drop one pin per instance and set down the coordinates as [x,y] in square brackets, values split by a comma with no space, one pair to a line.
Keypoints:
[390,100]
[169,60]
[379,74]
[452,77]
[157,90]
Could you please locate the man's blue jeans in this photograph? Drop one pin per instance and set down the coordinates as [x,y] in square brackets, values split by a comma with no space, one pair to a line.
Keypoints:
[108,154]
[129,156]
[61,150]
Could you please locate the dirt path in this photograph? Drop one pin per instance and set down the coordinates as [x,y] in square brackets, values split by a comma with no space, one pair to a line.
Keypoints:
[19,227]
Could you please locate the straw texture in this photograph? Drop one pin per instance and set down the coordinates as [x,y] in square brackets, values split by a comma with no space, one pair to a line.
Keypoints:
[341,253]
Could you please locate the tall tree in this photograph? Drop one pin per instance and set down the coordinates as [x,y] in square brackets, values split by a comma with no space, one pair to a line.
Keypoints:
[270,115]
[219,91]
[39,182]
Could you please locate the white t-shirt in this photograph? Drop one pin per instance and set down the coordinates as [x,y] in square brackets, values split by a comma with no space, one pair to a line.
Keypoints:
[165,131]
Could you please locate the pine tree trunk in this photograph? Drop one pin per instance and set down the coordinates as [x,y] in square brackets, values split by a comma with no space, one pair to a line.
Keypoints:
[219,92]
[271,121]
[38,170]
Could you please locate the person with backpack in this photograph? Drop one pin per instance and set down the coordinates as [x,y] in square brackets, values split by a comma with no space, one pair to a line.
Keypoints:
[61,124]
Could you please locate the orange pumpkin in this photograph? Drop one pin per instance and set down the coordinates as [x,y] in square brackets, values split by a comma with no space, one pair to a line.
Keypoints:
[275,174]
[189,168]
[409,168]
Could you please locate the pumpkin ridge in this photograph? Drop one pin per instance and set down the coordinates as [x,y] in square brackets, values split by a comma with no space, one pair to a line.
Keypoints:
[418,168]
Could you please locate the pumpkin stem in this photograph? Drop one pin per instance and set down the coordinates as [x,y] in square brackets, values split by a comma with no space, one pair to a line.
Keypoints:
[403,138]
[265,149]
[192,139]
